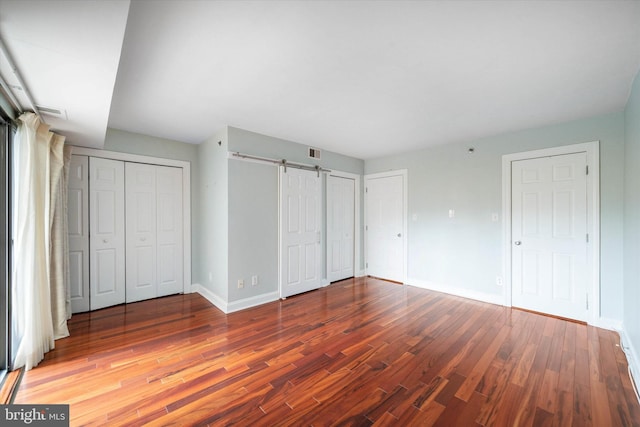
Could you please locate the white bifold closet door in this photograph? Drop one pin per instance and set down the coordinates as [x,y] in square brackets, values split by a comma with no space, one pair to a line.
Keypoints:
[154,231]
[107,232]
[78,216]
[340,227]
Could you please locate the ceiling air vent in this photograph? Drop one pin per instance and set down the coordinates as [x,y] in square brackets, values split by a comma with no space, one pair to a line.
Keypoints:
[50,111]
[314,153]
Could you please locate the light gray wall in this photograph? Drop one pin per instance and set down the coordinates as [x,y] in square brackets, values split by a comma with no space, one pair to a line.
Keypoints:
[144,145]
[465,251]
[632,219]
[257,144]
[253,228]
[253,207]
[214,218]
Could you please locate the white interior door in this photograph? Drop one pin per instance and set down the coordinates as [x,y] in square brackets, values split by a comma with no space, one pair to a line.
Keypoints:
[169,223]
[141,231]
[549,235]
[385,226]
[154,231]
[300,219]
[107,233]
[340,227]
[78,217]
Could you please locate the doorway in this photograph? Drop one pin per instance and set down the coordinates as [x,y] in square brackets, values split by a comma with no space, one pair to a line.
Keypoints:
[551,231]
[386,225]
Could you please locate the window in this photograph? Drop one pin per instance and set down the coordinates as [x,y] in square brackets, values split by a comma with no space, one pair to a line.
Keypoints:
[5,244]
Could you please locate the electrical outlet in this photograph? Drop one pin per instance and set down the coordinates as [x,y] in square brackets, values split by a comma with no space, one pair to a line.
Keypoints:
[254,280]
[240,283]
[499,280]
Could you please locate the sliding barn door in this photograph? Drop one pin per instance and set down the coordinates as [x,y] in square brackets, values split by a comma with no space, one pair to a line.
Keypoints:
[300,240]
[107,233]
[78,220]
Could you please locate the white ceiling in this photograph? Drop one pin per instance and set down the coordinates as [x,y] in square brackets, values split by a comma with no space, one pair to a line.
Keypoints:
[363,78]
[67,53]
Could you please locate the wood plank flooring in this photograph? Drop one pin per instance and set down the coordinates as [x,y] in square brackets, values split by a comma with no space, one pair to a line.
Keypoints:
[359,352]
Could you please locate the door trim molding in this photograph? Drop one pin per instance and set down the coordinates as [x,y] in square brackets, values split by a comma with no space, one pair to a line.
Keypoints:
[405,207]
[356,224]
[592,149]
[186,195]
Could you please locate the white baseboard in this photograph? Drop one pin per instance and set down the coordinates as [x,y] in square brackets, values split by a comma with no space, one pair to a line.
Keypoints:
[251,301]
[632,356]
[610,324]
[361,273]
[210,296]
[460,292]
[230,307]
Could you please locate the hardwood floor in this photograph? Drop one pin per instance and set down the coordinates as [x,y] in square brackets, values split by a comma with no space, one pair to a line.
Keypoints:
[358,352]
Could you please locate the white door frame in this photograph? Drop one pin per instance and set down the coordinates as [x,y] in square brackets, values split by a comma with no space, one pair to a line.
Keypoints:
[405,210]
[592,149]
[186,195]
[357,271]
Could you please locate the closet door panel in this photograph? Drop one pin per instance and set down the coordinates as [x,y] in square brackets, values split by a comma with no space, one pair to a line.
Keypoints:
[78,220]
[107,232]
[169,230]
[141,214]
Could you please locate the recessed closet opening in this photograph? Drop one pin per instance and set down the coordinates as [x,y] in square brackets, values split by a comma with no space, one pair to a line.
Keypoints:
[129,228]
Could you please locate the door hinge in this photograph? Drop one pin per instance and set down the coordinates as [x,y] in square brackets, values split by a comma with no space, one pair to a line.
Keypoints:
[587,237]
[587,169]
[587,301]
[366,189]
[366,228]
[366,265]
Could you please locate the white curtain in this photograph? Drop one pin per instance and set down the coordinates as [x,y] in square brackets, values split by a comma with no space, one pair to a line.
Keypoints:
[40,293]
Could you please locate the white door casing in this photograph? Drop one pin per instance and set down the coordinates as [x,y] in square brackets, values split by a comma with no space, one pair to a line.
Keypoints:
[78,220]
[300,231]
[549,233]
[385,225]
[592,268]
[340,227]
[107,233]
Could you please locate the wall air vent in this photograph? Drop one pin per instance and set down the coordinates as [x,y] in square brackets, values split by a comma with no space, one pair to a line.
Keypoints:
[314,153]
[54,112]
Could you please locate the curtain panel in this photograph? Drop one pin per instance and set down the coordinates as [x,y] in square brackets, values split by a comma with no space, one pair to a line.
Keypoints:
[40,298]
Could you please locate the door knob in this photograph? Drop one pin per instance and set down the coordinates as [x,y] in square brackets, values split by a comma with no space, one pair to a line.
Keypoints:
[399,234]
[105,241]
[517,243]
